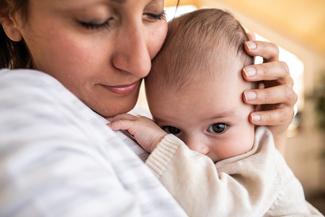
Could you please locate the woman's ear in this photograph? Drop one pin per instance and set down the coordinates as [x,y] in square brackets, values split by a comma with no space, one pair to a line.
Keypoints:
[9,25]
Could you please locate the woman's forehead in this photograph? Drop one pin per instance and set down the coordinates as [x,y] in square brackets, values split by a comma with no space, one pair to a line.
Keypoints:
[83,3]
[84,6]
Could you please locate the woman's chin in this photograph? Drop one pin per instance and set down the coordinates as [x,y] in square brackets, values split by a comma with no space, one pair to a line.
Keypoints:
[111,111]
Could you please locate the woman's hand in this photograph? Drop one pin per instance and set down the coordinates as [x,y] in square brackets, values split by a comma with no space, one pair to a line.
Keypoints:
[142,129]
[276,100]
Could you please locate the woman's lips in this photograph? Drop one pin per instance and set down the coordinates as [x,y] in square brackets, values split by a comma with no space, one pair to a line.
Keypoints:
[123,89]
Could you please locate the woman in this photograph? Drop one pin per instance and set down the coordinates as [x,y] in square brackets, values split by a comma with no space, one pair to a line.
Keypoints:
[57,156]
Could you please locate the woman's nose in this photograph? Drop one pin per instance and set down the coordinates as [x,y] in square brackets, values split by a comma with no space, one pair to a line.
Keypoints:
[198,146]
[131,52]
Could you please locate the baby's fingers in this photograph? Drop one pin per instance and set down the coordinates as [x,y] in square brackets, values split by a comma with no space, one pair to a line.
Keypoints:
[123,117]
[121,124]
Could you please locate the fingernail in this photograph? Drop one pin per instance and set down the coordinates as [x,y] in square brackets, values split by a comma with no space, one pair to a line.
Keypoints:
[250,71]
[256,117]
[251,45]
[250,95]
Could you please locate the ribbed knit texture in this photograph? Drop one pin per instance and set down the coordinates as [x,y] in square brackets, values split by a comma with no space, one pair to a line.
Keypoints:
[254,184]
[160,158]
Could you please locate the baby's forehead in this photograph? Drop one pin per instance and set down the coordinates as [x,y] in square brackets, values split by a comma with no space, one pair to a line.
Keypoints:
[219,68]
[214,75]
[218,61]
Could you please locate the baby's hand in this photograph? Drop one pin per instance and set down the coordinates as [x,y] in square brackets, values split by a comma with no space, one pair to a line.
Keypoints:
[141,128]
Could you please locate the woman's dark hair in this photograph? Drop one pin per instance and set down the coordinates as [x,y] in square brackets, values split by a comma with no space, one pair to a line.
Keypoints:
[13,54]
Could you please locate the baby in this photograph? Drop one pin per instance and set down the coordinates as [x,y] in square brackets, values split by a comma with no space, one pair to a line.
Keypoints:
[194,93]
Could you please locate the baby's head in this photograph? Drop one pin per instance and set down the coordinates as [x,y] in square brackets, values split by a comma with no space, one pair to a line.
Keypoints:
[195,87]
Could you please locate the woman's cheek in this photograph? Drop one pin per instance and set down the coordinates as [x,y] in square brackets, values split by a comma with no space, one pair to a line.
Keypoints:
[157,36]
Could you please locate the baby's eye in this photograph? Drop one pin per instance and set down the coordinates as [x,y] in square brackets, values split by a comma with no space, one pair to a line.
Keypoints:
[218,128]
[171,130]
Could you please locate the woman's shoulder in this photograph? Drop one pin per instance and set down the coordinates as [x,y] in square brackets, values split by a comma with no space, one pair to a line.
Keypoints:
[20,73]
[33,84]
[23,84]
[31,92]
[34,105]
[18,79]
[35,99]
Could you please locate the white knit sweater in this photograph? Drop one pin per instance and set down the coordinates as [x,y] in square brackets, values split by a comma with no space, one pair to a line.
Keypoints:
[257,183]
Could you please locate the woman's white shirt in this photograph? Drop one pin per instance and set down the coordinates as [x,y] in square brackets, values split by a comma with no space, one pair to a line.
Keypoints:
[58,157]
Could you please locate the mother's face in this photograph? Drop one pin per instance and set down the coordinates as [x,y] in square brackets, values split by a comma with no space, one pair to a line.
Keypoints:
[99,49]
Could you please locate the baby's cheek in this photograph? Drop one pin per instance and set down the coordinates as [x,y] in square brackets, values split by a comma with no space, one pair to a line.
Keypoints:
[234,148]
[237,143]
[245,140]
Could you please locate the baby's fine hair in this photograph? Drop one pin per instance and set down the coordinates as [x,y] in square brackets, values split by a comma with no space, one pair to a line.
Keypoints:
[193,41]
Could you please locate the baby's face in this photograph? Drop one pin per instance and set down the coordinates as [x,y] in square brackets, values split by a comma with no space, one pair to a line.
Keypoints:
[208,115]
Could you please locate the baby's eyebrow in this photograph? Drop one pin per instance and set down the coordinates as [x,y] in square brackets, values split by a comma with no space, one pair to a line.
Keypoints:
[161,121]
[223,114]
[155,119]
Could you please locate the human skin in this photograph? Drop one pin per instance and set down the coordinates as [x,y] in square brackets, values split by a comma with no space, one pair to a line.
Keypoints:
[208,113]
[101,50]
[102,65]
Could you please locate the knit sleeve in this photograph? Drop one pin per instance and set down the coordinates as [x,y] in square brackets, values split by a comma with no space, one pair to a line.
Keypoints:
[246,185]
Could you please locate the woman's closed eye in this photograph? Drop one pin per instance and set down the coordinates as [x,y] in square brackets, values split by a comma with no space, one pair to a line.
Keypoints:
[96,25]
[106,24]
[171,130]
[218,128]
[155,16]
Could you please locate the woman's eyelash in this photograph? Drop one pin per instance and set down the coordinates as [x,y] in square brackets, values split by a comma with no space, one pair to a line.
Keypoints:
[94,25]
[159,16]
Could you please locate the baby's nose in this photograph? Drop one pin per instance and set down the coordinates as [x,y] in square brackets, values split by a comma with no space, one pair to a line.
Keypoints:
[198,147]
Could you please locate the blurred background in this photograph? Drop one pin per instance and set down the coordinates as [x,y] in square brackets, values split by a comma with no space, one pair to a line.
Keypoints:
[298,28]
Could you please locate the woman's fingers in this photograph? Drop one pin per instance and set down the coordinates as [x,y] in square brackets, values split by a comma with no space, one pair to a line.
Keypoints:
[280,116]
[267,50]
[275,100]
[267,72]
[282,94]
[251,36]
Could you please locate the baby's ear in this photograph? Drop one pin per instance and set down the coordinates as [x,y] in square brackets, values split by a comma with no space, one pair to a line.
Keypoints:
[10,27]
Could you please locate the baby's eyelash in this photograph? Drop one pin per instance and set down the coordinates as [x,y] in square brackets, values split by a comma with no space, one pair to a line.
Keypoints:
[218,128]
